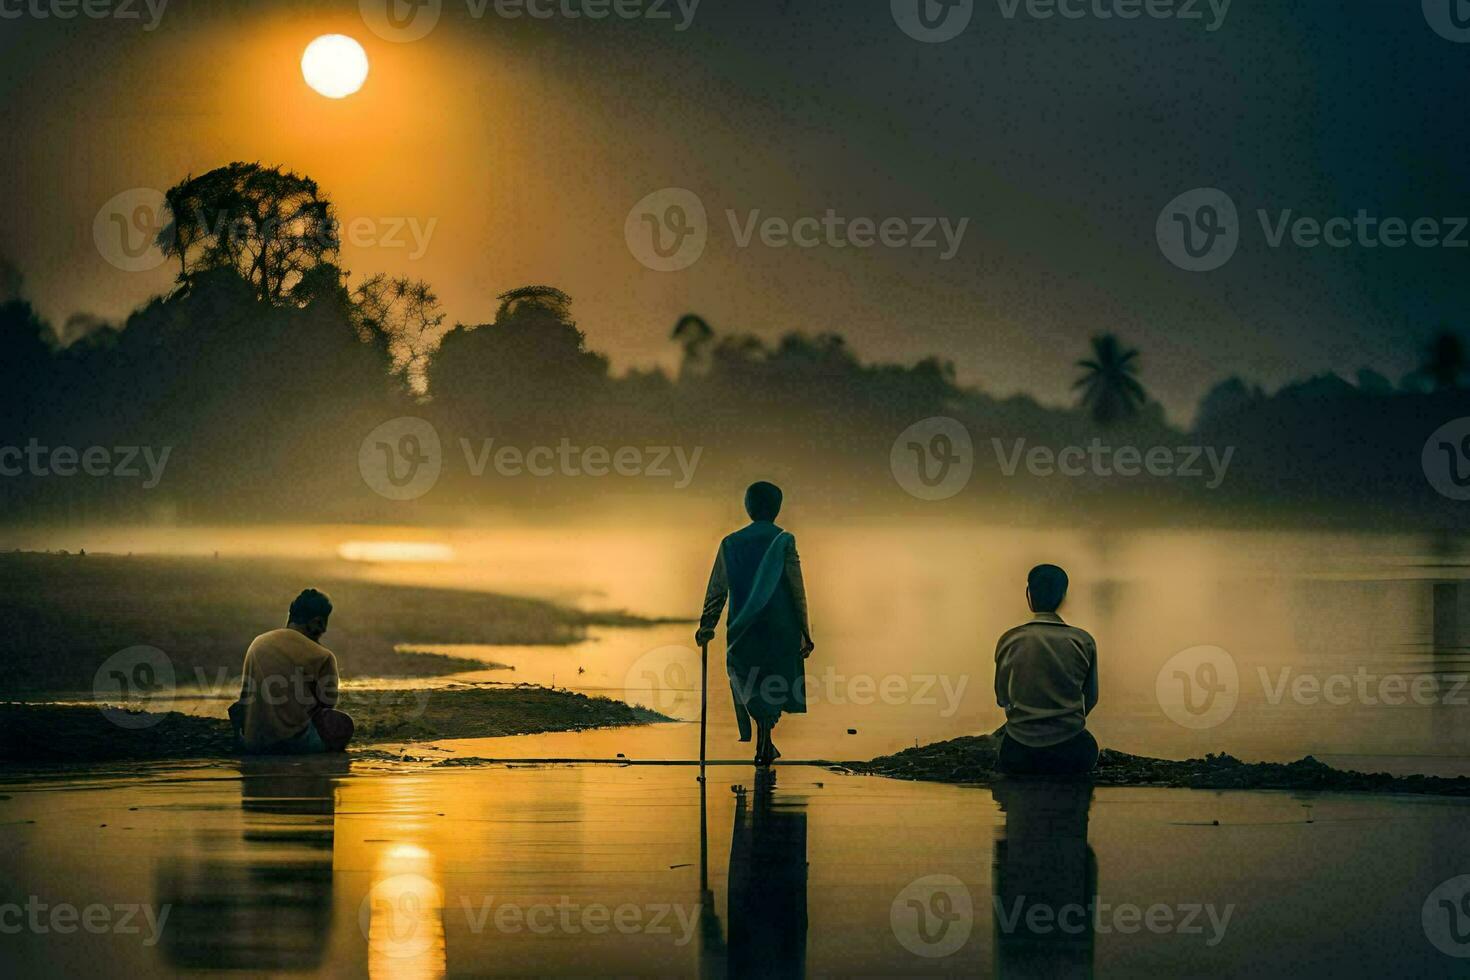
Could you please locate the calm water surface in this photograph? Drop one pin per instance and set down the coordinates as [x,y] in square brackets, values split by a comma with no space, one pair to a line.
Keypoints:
[1351,647]
[345,866]
[292,867]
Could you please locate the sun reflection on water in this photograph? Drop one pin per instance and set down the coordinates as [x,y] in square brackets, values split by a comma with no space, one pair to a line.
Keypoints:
[403,916]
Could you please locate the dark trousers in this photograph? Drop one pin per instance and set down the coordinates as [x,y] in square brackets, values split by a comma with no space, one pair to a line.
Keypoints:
[1077,754]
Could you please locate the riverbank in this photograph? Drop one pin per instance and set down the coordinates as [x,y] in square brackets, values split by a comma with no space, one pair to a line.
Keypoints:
[971,761]
[63,615]
[50,733]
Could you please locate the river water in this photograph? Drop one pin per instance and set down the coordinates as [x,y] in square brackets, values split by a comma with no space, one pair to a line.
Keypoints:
[428,867]
[1353,647]
[292,867]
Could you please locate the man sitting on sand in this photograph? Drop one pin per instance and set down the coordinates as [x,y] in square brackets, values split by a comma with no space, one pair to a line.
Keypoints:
[288,694]
[1046,680]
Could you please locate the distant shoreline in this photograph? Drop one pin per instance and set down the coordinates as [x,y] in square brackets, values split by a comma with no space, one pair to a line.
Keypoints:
[66,618]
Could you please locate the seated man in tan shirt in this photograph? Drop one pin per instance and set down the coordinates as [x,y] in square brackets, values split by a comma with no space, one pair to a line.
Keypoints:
[1046,680]
[288,694]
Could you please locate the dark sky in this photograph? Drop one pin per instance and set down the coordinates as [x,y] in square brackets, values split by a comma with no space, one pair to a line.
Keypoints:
[527,142]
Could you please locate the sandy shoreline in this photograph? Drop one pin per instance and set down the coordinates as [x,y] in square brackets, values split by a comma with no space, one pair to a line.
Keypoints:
[971,761]
[81,734]
[63,616]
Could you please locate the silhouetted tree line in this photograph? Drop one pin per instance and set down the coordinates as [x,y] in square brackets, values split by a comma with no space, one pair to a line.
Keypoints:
[263,371]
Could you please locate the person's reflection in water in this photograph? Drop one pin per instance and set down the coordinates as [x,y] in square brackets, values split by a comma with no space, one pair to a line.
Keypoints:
[263,903]
[767,889]
[1449,659]
[1045,878]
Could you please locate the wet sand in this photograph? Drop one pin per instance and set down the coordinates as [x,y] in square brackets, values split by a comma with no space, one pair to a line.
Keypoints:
[64,618]
[972,761]
[351,868]
[82,734]
[486,726]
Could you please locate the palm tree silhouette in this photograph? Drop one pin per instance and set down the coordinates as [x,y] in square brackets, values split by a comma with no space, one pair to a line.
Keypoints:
[1445,361]
[694,336]
[1110,387]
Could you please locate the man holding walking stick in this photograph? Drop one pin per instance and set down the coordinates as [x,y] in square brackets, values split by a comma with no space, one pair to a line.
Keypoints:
[768,636]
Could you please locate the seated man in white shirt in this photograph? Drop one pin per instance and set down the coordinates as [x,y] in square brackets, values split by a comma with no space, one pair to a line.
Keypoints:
[288,688]
[1046,680]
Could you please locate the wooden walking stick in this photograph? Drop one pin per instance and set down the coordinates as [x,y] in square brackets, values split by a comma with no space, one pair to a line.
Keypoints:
[703,701]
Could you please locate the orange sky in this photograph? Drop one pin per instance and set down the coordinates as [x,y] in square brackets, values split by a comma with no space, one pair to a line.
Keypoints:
[518,148]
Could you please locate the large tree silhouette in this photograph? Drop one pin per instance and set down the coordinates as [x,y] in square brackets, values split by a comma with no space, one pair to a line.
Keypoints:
[403,317]
[1110,388]
[530,367]
[271,226]
[265,372]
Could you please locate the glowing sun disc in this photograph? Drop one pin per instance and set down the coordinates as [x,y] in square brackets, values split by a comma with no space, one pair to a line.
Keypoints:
[334,65]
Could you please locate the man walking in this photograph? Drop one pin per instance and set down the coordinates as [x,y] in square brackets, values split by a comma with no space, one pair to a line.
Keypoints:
[768,636]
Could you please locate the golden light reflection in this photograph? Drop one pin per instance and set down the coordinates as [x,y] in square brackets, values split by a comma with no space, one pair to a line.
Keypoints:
[403,916]
[395,551]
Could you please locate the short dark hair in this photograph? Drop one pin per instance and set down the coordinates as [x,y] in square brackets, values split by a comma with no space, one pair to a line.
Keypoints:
[762,501]
[1048,585]
[309,605]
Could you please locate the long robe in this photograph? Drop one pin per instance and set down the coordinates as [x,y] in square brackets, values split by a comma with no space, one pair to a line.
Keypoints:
[759,570]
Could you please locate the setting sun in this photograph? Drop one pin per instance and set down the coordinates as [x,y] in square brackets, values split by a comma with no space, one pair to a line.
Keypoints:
[334,65]
[718,489]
